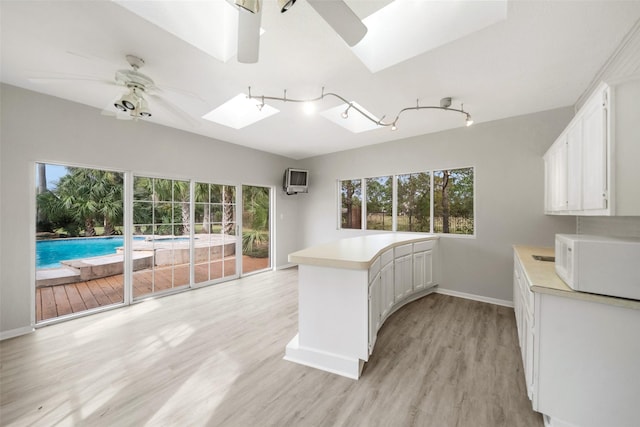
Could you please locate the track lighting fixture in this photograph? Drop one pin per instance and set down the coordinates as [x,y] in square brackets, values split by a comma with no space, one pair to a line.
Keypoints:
[345,113]
[445,104]
[285,5]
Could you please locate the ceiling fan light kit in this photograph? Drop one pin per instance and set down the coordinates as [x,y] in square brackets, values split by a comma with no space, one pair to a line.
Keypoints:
[445,105]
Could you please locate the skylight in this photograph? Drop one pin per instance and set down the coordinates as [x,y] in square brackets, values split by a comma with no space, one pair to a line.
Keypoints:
[211,26]
[354,122]
[239,112]
[407,28]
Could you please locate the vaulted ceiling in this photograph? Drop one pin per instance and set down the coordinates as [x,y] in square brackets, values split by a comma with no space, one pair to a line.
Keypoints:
[499,58]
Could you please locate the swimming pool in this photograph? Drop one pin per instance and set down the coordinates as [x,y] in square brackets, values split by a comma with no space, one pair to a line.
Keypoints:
[49,253]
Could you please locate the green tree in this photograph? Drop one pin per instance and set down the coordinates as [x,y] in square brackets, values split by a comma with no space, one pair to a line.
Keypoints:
[255,218]
[91,195]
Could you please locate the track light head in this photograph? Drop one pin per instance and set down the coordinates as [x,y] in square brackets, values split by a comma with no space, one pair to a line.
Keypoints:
[469,120]
[285,5]
[445,102]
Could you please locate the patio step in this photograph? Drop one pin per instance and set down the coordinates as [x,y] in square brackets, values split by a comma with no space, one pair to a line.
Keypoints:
[57,276]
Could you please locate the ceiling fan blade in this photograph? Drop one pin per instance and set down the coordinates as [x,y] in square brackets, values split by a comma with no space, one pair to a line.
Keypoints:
[341,18]
[176,111]
[70,78]
[249,36]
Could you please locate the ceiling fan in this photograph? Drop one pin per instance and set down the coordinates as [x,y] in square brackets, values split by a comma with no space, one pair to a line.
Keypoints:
[335,12]
[133,104]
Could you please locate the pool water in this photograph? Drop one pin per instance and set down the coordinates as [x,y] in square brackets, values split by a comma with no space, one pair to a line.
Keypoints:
[49,253]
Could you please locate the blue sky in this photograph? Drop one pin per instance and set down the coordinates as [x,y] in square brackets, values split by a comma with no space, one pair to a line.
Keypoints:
[54,172]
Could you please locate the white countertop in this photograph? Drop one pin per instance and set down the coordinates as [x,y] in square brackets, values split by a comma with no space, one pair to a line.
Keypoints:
[543,278]
[356,253]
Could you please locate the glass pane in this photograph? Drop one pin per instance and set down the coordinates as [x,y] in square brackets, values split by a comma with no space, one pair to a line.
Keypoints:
[255,228]
[142,188]
[216,193]
[202,192]
[142,212]
[162,189]
[181,191]
[453,205]
[379,205]
[414,202]
[71,204]
[351,204]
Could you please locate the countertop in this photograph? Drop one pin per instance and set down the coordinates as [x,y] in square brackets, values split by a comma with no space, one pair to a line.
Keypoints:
[355,253]
[543,279]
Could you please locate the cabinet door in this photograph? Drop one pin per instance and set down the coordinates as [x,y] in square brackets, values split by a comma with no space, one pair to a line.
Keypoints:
[594,153]
[574,166]
[403,277]
[387,290]
[374,310]
[422,270]
[556,176]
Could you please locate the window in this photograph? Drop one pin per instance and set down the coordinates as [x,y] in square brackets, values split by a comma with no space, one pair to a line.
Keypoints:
[453,201]
[351,203]
[441,201]
[414,202]
[379,203]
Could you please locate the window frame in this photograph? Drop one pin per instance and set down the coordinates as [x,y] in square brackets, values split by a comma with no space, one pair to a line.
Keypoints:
[394,202]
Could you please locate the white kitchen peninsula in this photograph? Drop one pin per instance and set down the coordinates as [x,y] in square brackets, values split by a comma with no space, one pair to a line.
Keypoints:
[348,288]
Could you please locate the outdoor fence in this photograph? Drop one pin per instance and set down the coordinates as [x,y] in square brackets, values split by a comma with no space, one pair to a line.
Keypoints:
[383,220]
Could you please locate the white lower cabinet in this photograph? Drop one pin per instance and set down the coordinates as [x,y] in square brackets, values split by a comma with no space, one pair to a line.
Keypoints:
[580,355]
[422,270]
[375,313]
[399,275]
[403,277]
[523,306]
[386,290]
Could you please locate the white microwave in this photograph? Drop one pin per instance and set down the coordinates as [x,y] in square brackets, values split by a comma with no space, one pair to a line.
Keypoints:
[599,264]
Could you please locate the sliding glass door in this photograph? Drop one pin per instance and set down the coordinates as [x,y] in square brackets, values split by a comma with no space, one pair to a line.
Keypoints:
[161,235]
[184,233]
[79,243]
[215,232]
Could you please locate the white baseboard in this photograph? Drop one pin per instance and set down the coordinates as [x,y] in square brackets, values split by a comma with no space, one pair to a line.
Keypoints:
[5,335]
[285,266]
[480,298]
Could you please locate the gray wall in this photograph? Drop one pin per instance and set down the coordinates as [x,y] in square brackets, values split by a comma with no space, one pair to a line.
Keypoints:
[507,156]
[42,128]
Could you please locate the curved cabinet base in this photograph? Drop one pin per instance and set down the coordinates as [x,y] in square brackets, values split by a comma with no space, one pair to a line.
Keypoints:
[340,310]
[335,363]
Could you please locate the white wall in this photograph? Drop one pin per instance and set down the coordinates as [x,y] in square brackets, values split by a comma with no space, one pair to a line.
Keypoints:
[41,128]
[507,156]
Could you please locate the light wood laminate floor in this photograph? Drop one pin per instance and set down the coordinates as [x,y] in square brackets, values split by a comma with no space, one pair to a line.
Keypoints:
[213,356]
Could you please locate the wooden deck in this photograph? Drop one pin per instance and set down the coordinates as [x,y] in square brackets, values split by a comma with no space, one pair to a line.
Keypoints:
[60,300]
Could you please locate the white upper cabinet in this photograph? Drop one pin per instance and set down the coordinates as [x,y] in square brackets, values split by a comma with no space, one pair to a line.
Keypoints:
[592,168]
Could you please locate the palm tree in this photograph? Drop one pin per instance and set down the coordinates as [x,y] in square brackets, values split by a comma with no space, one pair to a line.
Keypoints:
[228,224]
[255,217]
[91,195]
